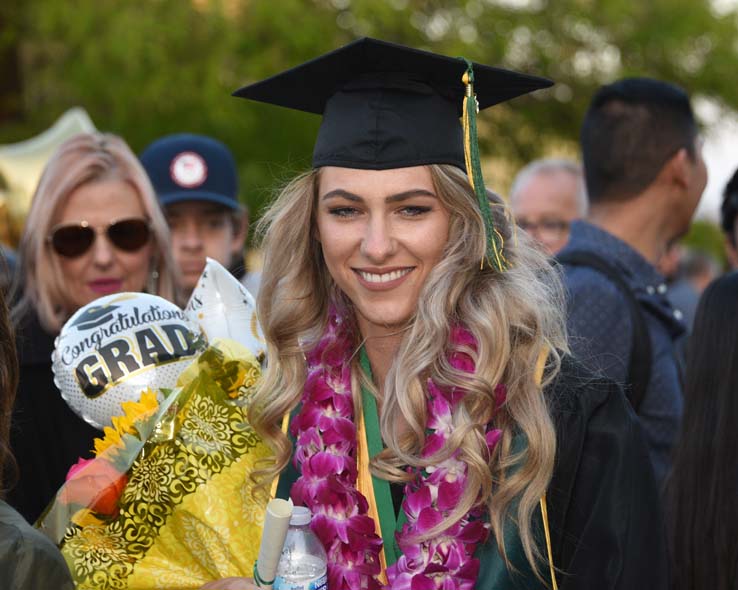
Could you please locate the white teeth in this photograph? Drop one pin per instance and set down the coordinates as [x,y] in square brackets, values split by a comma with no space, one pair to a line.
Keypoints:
[386,277]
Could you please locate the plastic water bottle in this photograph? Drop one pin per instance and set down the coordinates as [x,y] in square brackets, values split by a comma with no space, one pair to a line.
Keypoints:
[303,564]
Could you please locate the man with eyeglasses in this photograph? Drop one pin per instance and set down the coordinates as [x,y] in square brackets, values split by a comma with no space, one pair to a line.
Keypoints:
[546,197]
[644,175]
[196,181]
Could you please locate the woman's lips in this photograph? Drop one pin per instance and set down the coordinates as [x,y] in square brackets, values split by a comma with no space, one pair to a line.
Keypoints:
[106,286]
[382,280]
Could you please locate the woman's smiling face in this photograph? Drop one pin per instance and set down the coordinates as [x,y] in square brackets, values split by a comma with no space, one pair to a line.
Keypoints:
[381,231]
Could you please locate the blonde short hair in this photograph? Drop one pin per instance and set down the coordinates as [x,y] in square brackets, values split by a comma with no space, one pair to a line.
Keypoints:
[84,158]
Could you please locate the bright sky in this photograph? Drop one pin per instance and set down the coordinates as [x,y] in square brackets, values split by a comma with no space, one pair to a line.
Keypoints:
[721,143]
[721,156]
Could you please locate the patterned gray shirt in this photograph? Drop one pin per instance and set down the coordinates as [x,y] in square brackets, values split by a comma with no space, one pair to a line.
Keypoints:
[600,332]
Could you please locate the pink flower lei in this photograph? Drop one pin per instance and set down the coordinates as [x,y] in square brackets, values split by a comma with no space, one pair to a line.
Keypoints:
[325,454]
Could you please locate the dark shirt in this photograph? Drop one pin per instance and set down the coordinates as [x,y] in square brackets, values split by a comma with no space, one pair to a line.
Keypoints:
[47,437]
[600,332]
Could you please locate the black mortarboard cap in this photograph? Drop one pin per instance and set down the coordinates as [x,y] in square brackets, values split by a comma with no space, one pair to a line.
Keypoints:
[386,105]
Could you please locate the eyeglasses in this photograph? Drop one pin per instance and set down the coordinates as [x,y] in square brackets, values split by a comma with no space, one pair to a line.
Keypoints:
[74,239]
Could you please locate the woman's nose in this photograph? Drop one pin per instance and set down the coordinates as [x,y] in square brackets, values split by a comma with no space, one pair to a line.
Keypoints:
[102,251]
[377,243]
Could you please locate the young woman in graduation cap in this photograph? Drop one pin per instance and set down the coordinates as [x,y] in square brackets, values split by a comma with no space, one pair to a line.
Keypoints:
[418,396]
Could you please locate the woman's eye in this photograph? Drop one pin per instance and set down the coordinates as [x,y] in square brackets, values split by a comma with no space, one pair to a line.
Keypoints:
[343,211]
[414,210]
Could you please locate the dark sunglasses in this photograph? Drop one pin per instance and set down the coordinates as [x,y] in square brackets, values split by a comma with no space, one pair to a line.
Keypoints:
[75,239]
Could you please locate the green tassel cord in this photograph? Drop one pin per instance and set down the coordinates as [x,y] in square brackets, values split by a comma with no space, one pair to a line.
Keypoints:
[494,255]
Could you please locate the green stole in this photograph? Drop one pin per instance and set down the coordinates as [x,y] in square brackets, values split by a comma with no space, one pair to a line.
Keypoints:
[377,491]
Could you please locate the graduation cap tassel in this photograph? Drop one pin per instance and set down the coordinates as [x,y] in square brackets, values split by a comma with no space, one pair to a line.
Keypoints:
[494,255]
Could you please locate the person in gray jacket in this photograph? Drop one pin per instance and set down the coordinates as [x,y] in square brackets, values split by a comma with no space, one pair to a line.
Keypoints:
[28,559]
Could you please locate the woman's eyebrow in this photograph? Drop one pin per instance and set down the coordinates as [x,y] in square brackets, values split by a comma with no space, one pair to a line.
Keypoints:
[344,194]
[415,192]
[339,192]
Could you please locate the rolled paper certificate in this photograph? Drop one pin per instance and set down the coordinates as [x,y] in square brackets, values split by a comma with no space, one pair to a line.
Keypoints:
[276,523]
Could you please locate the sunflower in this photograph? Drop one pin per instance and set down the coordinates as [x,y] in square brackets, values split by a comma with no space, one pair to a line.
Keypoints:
[133,413]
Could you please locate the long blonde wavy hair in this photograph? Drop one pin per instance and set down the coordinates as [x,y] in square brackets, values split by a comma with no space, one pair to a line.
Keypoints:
[513,315]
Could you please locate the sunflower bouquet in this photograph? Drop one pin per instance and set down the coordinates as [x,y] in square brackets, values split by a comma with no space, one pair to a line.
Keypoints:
[167,501]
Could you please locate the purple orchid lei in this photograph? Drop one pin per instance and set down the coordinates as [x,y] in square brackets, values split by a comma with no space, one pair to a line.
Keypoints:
[325,454]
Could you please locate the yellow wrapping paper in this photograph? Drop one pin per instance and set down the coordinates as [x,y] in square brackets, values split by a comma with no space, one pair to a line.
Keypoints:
[186,514]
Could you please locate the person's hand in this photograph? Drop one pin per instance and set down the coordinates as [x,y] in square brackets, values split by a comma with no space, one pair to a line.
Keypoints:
[231,584]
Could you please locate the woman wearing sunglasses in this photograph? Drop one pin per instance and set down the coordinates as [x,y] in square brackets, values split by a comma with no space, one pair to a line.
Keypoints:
[94,228]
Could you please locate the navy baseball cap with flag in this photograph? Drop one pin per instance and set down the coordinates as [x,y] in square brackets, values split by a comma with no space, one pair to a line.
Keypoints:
[189,167]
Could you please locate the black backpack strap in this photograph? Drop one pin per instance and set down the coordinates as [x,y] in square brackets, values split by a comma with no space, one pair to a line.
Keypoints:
[639,367]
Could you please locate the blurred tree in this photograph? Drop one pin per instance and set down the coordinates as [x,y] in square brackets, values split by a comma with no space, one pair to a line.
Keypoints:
[706,236]
[11,88]
[146,68]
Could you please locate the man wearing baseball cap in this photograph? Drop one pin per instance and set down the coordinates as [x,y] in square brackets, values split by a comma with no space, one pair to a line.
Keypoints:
[195,179]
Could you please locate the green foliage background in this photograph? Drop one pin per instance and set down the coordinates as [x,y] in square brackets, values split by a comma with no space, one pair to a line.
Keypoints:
[706,237]
[147,68]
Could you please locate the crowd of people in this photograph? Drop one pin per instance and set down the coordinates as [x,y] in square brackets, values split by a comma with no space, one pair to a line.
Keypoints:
[542,366]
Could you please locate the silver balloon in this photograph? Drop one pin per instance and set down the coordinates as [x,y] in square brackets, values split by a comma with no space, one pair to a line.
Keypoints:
[223,308]
[117,346]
